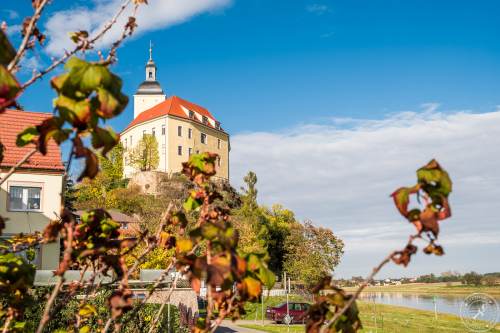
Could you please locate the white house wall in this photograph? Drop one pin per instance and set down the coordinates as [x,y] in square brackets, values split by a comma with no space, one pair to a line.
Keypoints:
[29,222]
[137,132]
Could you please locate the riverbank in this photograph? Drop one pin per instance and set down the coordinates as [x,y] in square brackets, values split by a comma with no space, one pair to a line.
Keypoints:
[391,319]
[432,288]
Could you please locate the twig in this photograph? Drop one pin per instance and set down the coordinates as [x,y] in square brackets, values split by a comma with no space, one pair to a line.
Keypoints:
[223,314]
[67,253]
[152,328]
[7,324]
[81,46]
[28,34]
[18,164]
[363,285]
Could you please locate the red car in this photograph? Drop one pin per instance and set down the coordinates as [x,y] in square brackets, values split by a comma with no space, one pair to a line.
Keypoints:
[297,312]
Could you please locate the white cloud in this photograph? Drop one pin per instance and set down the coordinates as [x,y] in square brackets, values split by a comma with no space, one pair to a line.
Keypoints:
[159,14]
[11,14]
[317,8]
[340,175]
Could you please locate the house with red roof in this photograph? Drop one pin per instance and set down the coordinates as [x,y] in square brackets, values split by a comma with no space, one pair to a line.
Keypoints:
[31,197]
[181,128]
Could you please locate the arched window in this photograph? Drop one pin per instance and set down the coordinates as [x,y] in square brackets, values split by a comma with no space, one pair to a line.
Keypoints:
[150,75]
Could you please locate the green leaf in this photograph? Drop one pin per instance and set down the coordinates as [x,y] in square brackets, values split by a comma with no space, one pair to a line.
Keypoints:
[27,136]
[191,204]
[104,138]
[7,51]
[9,87]
[94,76]
[434,179]
[87,310]
[266,276]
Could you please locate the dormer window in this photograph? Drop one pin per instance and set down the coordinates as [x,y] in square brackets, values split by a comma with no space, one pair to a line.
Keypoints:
[205,120]
[217,125]
[191,114]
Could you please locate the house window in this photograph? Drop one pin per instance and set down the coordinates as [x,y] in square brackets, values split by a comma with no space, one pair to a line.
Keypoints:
[179,150]
[203,138]
[217,125]
[191,114]
[205,120]
[23,198]
[163,149]
[179,130]
[190,133]
[162,129]
[153,131]
[218,143]
[190,151]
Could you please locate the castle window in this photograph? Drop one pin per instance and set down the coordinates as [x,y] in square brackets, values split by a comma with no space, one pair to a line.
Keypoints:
[153,131]
[179,150]
[190,133]
[205,120]
[217,125]
[218,143]
[203,138]
[191,114]
[190,151]
[179,130]
[218,161]
[162,129]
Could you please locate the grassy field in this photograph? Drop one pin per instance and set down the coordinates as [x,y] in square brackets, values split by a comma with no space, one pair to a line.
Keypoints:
[434,288]
[380,318]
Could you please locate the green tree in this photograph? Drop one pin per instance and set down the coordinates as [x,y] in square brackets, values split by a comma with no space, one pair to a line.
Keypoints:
[144,156]
[311,253]
[278,223]
[70,194]
[472,278]
[112,165]
[249,197]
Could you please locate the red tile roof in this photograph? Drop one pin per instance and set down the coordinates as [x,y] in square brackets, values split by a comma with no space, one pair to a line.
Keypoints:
[14,121]
[172,106]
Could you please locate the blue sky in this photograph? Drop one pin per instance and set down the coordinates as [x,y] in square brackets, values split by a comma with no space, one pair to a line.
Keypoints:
[345,69]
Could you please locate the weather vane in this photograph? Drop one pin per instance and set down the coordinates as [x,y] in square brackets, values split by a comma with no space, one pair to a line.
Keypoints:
[150,50]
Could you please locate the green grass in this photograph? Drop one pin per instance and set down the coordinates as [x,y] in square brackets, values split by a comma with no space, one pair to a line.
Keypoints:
[434,288]
[378,318]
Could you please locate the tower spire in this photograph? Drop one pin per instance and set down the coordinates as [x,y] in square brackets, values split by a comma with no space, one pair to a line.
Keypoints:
[150,51]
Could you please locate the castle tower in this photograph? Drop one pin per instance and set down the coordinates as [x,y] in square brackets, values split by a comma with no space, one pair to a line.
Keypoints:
[149,92]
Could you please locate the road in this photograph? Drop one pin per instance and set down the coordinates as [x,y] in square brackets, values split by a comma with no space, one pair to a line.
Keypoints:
[230,327]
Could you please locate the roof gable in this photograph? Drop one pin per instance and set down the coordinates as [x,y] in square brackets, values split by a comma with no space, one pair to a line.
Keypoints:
[172,106]
[13,122]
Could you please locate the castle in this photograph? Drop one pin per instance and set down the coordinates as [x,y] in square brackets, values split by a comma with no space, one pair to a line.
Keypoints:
[180,127]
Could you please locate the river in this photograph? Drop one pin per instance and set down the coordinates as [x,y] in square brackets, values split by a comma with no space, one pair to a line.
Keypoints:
[443,303]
